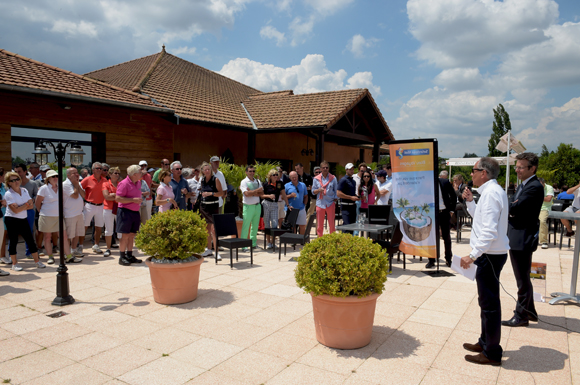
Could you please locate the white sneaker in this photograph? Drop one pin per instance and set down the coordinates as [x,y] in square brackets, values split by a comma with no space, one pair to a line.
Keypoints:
[6,261]
[50,260]
[207,252]
[16,267]
[269,246]
[544,245]
[219,257]
[97,249]
[79,249]
[41,252]
[3,273]
[40,265]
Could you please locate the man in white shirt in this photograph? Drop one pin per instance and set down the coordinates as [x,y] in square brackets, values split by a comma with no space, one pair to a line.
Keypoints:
[489,246]
[215,164]
[385,188]
[73,205]
[251,191]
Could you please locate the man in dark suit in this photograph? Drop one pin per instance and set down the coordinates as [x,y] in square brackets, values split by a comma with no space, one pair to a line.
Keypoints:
[447,202]
[523,228]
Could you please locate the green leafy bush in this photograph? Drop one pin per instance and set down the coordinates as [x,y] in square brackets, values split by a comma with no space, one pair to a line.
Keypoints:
[341,265]
[173,234]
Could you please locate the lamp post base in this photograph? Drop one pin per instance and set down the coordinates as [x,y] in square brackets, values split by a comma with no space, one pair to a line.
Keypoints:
[63,301]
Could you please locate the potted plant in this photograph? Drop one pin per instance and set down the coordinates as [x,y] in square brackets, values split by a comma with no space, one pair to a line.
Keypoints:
[344,275]
[174,240]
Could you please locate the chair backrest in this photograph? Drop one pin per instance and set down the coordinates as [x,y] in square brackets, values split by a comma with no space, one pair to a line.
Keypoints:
[559,205]
[292,217]
[224,225]
[379,215]
[309,225]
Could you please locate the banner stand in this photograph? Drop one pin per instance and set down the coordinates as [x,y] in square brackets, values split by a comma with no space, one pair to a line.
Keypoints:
[416,197]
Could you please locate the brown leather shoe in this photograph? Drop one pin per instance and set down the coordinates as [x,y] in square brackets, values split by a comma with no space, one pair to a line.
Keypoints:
[473,347]
[481,360]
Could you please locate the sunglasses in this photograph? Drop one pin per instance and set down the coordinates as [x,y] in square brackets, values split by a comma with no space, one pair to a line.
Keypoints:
[116,173]
[324,167]
[98,168]
[274,174]
[166,164]
[316,172]
[251,170]
[178,169]
[366,176]
[14,180]
[476,169]
[106,170]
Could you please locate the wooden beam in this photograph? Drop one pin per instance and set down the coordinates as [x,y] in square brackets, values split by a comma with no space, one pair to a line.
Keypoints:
[348,135]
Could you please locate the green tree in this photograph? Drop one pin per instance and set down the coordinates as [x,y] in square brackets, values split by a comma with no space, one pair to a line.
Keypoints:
[561,166]
[501,126]
[18,160]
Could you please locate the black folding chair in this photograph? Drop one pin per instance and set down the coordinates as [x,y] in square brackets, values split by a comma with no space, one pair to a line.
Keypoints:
[392,246]
[291,217]
[379,215]
[296,239]
[225,225]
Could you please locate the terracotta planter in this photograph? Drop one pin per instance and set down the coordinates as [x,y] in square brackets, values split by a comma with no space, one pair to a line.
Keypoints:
[239,225]
[344,323]
[174,283]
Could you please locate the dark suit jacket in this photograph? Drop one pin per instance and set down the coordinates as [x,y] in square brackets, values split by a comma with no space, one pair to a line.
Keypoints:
[523,223]
[459,192]
[449,196]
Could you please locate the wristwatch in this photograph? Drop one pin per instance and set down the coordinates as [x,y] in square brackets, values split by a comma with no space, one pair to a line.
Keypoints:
[167,200]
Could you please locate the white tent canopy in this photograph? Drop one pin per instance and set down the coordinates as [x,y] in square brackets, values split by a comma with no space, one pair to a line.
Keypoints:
[502,160]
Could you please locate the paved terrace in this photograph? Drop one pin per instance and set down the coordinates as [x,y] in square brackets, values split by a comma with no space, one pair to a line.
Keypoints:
[252,325]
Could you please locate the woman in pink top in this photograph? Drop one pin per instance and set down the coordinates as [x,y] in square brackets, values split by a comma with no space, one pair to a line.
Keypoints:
[165,193]
[367,190]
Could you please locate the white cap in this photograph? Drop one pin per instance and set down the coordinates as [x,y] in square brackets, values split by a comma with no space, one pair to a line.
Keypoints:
[214,159]
[143,163]
[349,166]
[51,173]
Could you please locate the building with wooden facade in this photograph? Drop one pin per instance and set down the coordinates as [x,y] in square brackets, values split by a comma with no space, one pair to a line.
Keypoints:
[161,106]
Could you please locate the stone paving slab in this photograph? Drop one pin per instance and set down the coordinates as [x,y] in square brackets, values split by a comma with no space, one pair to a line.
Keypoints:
[253,325]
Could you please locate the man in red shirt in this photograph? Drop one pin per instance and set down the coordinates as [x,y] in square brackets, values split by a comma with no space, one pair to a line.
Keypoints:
[146,209]
[93,186]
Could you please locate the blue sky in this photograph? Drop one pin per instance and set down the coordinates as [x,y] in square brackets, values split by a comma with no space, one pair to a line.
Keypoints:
[436,68]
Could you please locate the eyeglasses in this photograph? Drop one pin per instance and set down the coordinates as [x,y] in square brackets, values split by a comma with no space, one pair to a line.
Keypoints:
[251,170]
[178,169]
[518,168]
[116,173]
[14,180]
[473,170]
[98,168]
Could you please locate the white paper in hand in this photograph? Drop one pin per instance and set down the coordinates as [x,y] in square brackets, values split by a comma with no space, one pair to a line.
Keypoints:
[467,273]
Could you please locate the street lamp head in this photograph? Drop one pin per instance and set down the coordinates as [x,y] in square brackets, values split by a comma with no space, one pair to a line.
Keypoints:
[76,154]
[41,154]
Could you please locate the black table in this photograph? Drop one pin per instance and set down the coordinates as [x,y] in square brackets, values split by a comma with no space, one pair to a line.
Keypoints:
[365,227]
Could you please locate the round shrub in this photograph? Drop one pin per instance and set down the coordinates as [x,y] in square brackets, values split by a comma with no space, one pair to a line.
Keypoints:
[341,265]
[173,234]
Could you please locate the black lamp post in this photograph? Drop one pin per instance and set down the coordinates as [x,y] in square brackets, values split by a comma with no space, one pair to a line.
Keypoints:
[76,153]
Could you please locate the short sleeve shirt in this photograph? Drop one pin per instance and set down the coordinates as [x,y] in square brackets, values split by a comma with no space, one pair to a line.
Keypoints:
[250,185]
[220,176]
[300,190]
[347,186]
[548,190]
[147,179]
[108,185]
[165,192]
[127,189]
[179,197]
[156,176]
[49,207]
[32,188]
[20,199]
[73,207]
[384,200]
[93,189]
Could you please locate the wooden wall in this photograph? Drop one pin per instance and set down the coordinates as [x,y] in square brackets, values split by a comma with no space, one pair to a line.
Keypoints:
[131,135]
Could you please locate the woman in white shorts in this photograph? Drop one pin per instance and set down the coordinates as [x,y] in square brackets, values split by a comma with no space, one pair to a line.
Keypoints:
[110,206]
[47,206]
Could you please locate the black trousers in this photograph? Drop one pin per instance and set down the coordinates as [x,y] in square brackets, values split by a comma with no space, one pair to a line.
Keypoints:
[489,267]
[522,265]
[445,225]
[16,227]
[348,215]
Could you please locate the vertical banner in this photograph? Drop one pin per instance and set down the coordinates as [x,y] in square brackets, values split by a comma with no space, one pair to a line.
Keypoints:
[415,199]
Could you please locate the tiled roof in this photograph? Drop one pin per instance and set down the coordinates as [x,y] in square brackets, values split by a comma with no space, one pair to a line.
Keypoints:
[192,91]
[28,74]
[200,94]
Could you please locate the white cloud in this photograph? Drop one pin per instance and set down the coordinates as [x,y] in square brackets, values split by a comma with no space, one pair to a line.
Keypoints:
[301,29]
[326,7]
[460,79]
[184,50]
[358,44]
[72,28]
[269,32]
[311,75]
[466,33]
[283,5]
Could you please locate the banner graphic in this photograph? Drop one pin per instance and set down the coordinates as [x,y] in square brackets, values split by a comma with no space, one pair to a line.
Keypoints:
[413,165]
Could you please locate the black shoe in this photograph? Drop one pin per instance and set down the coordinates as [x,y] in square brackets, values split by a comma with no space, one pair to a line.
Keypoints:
[481,359]
[533,317]
[132,259]
[124,261]
[430,264]
[476,348]
[448,261]
[570,233]
[515,322]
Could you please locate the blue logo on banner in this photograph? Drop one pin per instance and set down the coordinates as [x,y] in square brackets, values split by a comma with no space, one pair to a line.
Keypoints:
[416,151]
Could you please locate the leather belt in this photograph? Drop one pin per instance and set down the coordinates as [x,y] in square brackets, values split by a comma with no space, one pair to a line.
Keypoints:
[94,204]
[209,203]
